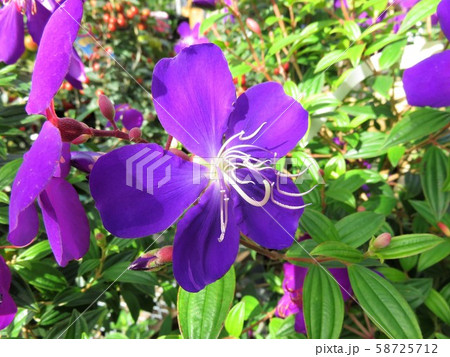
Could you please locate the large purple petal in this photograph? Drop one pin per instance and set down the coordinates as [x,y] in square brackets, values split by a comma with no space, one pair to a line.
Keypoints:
[38,167]
[141,189]
[63,168]
[199,258]
[54,55]
[294,277]
[286,120]
[8,308]
[193,95]
[300,325]
[76,75]
[428,82]
[65,221]
[443,13]
[341,276]
[36,22]
[270,225]
[11,34]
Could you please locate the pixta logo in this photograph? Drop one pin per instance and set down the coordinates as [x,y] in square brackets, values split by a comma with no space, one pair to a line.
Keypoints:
[141,170]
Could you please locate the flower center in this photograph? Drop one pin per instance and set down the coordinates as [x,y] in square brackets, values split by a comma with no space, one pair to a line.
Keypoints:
[230,159]
[23,5]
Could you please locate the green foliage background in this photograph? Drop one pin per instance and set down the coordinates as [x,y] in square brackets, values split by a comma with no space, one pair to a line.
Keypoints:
[390,173]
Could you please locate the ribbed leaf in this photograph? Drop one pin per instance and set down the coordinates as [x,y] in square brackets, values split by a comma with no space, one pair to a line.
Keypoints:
[384,305]
[434,173]
[323,304]
[359,227]
[338,250]
[319,227]
[201,315]
[407,245]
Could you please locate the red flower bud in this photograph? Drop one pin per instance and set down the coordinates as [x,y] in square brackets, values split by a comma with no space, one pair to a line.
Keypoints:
[71,129]
[164,255]
[154,259]
[106,107]
[253,26]
[135,134]
[444,229]
[382,241]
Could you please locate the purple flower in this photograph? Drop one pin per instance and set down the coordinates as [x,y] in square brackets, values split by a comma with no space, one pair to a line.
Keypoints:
[84,160]
[131,118]
[41,178]
[142,189]
[56,59]
[189,37]
[428,82]
[8,308]
[206,4]
[292,303]
[12,33]
[337,4]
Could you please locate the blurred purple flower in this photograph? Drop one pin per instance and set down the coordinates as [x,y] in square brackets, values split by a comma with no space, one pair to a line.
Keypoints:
[338,141]
[84,160]
[131,118]
[189,37]
[41,177]
[8,308]
[292,303]
[12,33]
[428,82]
[239,191]
[206,4]
[56,58]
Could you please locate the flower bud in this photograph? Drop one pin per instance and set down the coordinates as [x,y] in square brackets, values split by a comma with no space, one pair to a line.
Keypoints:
[382,241]
[253,26]
[444,229]
[71,129]
[106,107]
[154,259]
[81,139]
[135,134]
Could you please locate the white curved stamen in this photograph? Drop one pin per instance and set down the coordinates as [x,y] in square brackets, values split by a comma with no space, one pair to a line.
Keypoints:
[248,199]
[284,205]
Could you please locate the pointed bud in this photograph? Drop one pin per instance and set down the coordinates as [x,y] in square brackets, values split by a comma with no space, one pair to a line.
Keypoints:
[253,26]
[382,241]
[135,134]
[71,129]
[81,139]
[107,108]
[154,259]
[444,229]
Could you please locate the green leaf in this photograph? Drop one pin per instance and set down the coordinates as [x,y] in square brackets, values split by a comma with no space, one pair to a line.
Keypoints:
[41,275]
[319,227]
[384,305]
[234,324]
[120,272]
[359,227]
[392,54]
[201,315]
[416,125]
[421,10]
[209,21]
[395,153]
[251,306]
[371,143]
[77,326]
[352,30]
[36,251]
[407,245]
[329,59]
[323,305]
[437,304]
[415,291]
[8,172]
[424,209]
[301,250]
[383,85]
[434,255]
[339,251]
[434,172]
